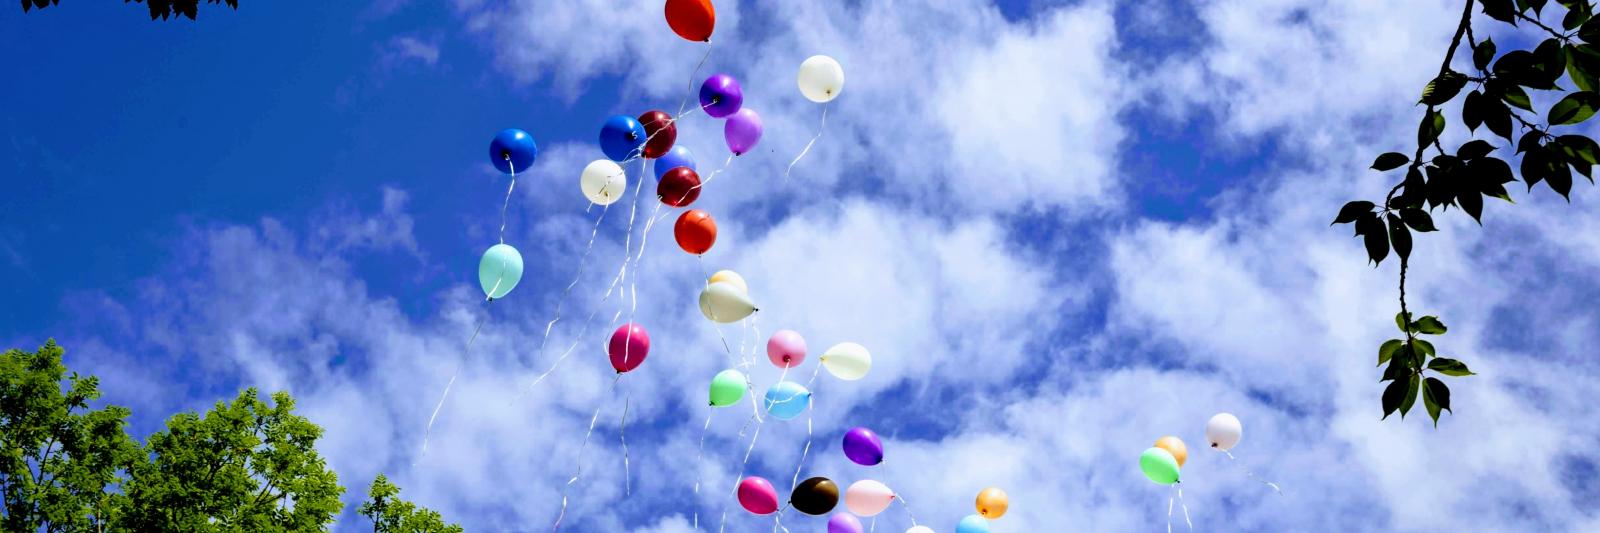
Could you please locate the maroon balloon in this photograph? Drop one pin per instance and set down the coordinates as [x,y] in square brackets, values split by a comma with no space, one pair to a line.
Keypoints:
[660,131]
[862,446]
[679,187]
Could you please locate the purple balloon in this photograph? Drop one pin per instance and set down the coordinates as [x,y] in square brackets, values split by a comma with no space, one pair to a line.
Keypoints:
[721,96]
[862,446]
[742,131]
[844,523]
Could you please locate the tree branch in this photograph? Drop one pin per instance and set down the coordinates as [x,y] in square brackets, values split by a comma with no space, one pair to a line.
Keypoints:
[1553,32]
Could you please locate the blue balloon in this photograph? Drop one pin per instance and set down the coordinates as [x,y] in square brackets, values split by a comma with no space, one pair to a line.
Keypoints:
[621,137]
[787,399]
[677,157]
[513,148]
[973,524]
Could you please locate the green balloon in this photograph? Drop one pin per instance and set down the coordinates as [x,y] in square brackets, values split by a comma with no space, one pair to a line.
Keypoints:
[727,388]
[1159,465]
[499,270]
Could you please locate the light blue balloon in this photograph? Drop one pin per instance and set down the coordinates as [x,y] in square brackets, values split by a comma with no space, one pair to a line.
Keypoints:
[678,156]
[787,399]
[973,524]
[499,270]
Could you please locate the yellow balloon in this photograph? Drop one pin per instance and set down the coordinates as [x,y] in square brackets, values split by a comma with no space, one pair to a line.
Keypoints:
[1174,445]
[730,277]
[992,503]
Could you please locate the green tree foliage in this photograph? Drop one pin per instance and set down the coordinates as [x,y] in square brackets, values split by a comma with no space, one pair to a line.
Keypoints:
[159,9]
[1567,64]
[390,514]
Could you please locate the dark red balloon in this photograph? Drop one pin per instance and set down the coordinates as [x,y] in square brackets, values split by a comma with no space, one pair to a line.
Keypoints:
[692,19]
[660,131]
[696,231]
[679,187]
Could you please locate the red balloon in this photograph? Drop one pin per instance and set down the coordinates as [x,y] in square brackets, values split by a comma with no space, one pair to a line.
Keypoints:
[692,19]
[661,132]
[696,231]
[679,187]
[628,348]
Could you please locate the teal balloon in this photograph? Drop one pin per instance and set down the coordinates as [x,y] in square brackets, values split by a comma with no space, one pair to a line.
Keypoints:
[787,400]
[499,270]
[1159,465]
[973,524]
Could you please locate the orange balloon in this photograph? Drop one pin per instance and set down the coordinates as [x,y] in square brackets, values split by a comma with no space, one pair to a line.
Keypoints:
[692,19]
[696,231]
[992,503]
[1174,445]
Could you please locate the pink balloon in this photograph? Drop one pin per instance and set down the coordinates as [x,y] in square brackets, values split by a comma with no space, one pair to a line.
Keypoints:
[868,497]
[786,349]
[757,495]
[629,345]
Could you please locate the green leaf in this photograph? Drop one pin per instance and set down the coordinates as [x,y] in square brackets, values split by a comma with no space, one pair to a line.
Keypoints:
[1579,148]
[1388,350]
[1471,114]
[1401,319]
[1394,395]
[1423,347]
[1590,31]
[1514,95]
[1496,116]
[1449,367]
[1376,238]
[1483,53]
[1535,5]
[1429,129]
[1500,10]
[1443,88]
[1390,161]
[1411,394]
[1430,325]
[1575,17]
[1418,219]
[1576,107]
[1352,211]
[1550,61]
[1437,397]
[1578,71]
[1399,236]
[1474,149]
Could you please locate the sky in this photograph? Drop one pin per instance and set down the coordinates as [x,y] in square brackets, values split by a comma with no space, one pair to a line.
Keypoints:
[1063,229]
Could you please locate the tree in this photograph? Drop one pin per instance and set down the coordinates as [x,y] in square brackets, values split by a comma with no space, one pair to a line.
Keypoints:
[390,514]
[162,9]
[57,456]
[1464,179]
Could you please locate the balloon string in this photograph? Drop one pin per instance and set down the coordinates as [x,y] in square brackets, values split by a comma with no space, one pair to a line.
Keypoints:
[698,455]
[456,372]
[803,453]
[1169,512]
[582,448]
[713,175]
[692,75]
[808,145]
[622,432]
[507,203]
[583,264]
[724,521]
[1185,508]
[874,527]
[1250,474]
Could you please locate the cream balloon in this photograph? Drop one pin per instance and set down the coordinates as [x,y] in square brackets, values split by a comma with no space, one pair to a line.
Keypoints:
[821,78]
[603,182]
[868,497]
[847,361]
[920,529]
[723,302]
[730,277]
[1224,431]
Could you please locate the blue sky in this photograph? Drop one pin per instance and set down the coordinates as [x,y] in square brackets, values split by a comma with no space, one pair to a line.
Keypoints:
[1063,229]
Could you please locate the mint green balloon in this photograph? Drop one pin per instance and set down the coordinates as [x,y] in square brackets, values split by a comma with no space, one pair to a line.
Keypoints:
[499,270]
[727,388]
[1159,465]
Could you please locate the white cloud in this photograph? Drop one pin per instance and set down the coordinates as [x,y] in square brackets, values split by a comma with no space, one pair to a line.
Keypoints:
[406,47]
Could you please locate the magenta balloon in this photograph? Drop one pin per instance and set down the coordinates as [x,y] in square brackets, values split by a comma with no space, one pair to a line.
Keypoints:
[844,523]
[786,349]
[742,131]
[757,495]
[862,446]
[629,345]
[721,96]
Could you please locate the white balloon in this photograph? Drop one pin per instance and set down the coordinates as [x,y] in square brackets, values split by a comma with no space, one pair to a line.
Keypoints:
[920,529]
[847,361]
[723,302]
[821,78]
[1224,431]
[730,277]
[603,182]
[868,497]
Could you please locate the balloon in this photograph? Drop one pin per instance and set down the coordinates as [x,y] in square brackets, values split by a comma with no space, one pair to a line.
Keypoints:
[757,495]
[973,524]
[868,497]
[499,270]
[659,133]
[1159,466]
[815,496]
[787,399]
[1175,447]
[862,446]
[844,523]
[678,156]
[721,96]
[724,303]
[992,503]
[730,277]
[1224,431]
[786,348]
[620,137]
[920,529]
[512,149]
[629,346]
[692,19]
[696,231]
[821,78]
[603,182]
[742,131]
[727,388]
[679,187]
[847,361]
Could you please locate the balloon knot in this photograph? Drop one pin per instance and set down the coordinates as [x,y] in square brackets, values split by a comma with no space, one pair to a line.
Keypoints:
[506,154]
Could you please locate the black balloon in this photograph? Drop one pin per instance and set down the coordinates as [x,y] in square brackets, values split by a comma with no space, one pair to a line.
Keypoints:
[815,496]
